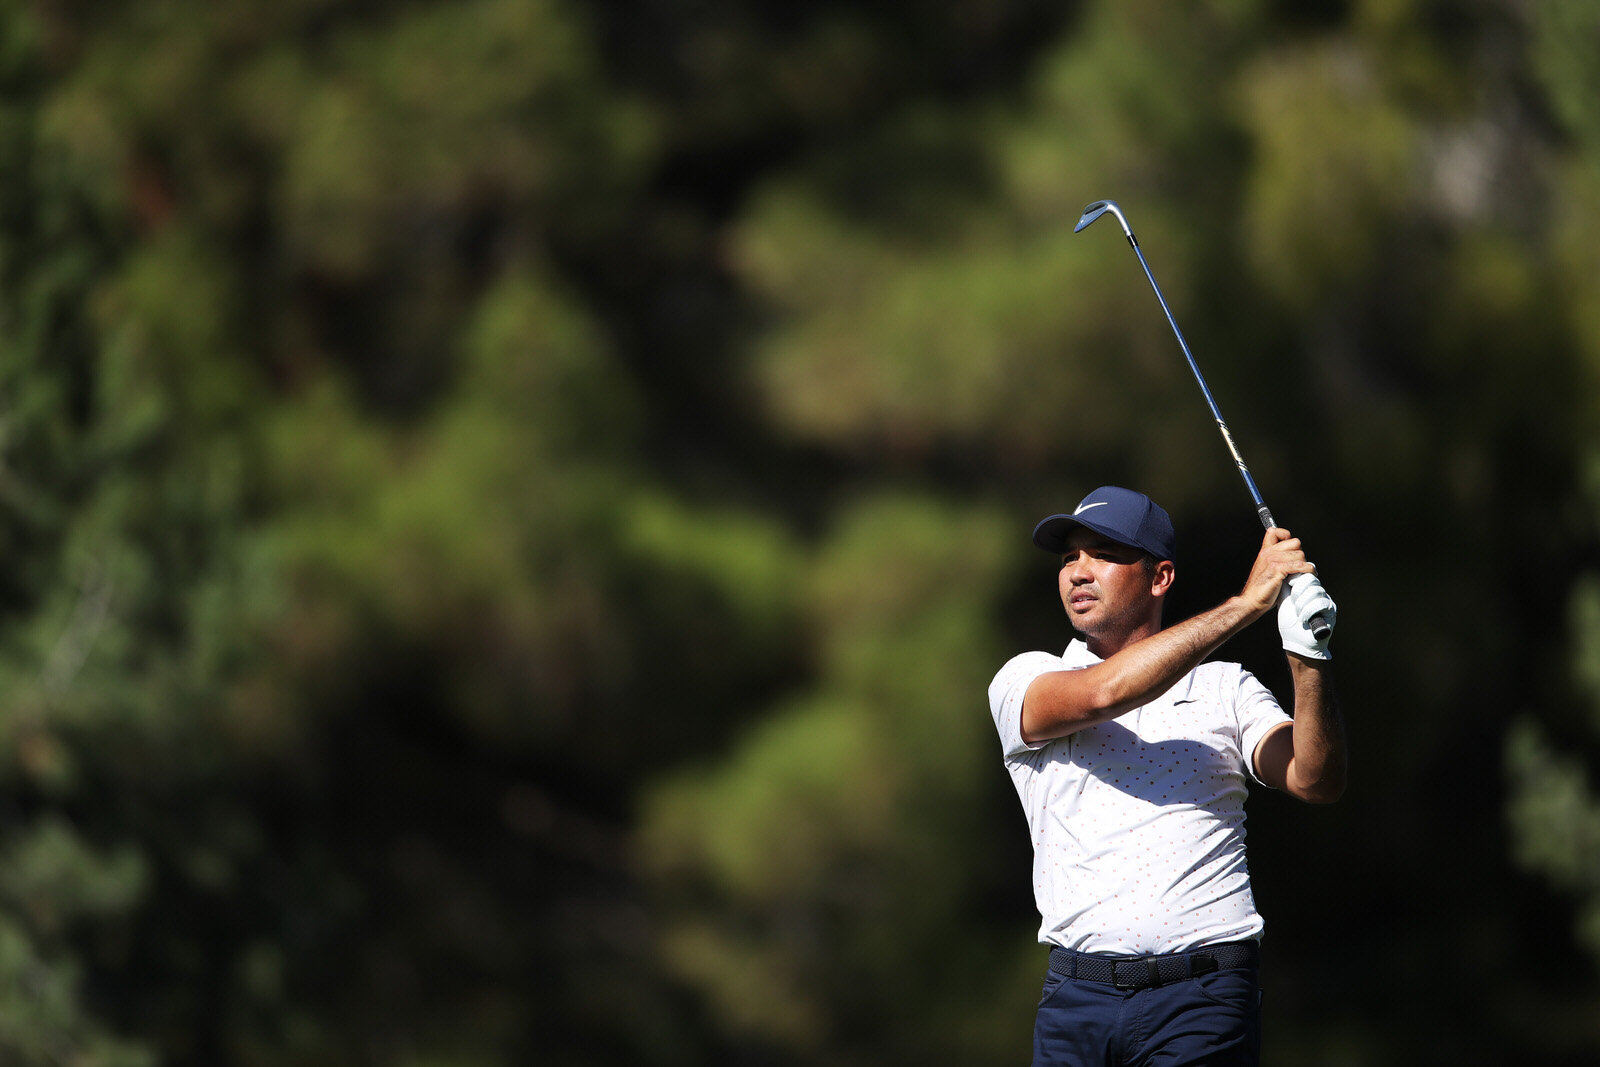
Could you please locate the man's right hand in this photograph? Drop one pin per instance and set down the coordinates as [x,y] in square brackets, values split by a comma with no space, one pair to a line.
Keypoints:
[1281,557]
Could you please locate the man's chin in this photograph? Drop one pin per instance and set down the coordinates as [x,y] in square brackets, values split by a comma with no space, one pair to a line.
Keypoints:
[1085,621]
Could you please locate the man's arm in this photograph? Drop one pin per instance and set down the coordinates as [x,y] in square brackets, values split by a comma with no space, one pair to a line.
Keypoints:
[1307,758]
[1062,702]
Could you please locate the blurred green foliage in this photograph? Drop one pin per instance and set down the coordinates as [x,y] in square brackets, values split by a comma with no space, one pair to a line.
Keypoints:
[511,508]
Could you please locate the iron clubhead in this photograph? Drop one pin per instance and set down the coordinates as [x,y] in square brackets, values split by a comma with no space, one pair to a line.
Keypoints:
[1101,207]
[1090,213]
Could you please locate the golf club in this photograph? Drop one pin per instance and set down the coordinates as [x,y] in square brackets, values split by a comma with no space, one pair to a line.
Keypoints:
[1319,624]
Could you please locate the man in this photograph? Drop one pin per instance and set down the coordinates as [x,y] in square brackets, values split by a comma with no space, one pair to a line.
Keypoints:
[1131,757]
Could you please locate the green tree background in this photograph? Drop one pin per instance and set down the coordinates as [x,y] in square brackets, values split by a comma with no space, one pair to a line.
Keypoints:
[510,509]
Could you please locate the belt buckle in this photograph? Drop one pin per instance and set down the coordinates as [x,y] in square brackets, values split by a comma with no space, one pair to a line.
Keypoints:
[1135,980]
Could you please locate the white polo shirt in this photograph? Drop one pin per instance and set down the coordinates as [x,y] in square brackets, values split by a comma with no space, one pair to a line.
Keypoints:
[1138,823]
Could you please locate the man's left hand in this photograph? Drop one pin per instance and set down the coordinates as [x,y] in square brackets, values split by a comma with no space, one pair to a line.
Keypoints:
[1301,600]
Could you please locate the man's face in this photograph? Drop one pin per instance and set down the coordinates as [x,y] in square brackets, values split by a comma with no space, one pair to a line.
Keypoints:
[1108,588]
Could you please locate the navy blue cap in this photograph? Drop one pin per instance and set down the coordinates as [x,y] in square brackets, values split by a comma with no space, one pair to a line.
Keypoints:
[1127,517]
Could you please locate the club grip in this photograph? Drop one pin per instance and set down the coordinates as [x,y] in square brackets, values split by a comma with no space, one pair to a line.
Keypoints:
[1319,626]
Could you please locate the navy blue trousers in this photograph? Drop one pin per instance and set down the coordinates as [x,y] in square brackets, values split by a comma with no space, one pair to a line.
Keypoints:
[1212,1019]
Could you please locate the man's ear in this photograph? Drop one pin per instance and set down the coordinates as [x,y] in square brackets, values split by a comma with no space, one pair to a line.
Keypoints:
[1160,581]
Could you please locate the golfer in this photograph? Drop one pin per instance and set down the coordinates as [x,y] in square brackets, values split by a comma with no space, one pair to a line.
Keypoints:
[1132,756]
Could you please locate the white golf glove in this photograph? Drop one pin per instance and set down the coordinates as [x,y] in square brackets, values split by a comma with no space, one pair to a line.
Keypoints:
[1302,599]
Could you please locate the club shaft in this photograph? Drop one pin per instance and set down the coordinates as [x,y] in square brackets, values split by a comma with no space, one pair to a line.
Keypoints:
[1211,402]
[1319,624]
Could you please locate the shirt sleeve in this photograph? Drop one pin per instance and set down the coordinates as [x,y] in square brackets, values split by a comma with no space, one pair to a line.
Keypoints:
[1259,712]
[1010,685]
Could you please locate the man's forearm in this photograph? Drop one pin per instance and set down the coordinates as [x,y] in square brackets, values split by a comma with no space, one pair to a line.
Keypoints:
[1150,667]
[1062,702]
[1319,769]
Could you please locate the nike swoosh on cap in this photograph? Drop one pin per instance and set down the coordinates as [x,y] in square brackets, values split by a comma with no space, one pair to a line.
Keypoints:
[1085,507]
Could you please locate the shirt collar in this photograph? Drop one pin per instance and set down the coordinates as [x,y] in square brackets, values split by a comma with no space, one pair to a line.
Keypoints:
[1078,655]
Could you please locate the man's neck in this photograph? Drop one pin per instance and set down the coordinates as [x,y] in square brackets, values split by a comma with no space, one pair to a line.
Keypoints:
[1107,645]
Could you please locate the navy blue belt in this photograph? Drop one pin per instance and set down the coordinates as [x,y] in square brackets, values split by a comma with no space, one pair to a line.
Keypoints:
[1146,972]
